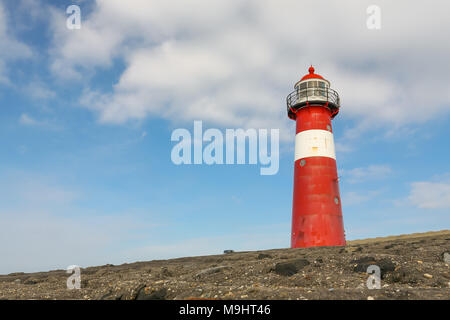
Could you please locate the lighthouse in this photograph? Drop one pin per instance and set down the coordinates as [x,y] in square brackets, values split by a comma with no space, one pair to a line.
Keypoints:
[316,208]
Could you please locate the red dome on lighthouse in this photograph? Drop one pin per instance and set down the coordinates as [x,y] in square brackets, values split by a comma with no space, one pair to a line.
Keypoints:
[311,75]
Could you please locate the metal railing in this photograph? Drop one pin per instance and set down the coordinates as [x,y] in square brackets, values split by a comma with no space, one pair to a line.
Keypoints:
[300,97]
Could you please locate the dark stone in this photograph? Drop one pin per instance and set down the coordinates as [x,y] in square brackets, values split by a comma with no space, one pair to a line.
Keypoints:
[290,268]
[165,273]
[84,283]
[144,294]
[106,295]
[88,271]
[403,276]
[319,260]
[119,296]
[31,281]
[440,283]
[263,256]
[363,263]
[228,251]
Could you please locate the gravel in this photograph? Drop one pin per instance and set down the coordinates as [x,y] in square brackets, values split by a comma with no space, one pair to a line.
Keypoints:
[414,267]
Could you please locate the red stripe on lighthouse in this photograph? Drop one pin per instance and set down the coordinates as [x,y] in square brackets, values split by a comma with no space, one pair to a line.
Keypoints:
[316,211]
[313,117]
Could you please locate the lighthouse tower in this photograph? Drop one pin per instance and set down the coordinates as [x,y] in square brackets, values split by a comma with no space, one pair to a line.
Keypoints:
[316,210]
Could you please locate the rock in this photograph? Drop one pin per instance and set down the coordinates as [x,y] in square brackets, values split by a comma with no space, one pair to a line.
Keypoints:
[84,283]
[446,257]
[361,265]
[427,275]
[119,296]
[263,256]
[31,281]
[101,272]
[165,272]
[228,251]
[402,275]
[106,296]
[17,281]
[352,249]
[290,268]
[212,270]
[370,298]
[147,293]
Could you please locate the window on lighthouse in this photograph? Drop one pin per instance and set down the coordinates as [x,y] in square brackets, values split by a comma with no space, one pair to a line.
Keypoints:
[312,84]
[322,90]
[303,90]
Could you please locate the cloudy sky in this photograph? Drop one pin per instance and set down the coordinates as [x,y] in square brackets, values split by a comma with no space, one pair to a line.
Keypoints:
[86,117]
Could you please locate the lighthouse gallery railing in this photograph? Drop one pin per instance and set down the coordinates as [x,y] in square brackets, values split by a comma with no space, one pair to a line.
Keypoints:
[299,97]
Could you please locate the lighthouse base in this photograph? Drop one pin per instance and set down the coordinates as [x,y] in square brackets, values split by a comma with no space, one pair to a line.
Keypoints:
[316,212]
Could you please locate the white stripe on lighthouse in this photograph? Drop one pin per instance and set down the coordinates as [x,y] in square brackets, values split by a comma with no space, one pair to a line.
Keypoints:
[314,143]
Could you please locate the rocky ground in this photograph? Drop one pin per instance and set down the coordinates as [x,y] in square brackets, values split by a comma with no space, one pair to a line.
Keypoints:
[412,267]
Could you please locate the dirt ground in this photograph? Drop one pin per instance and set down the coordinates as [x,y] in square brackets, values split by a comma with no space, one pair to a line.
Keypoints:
[412,266]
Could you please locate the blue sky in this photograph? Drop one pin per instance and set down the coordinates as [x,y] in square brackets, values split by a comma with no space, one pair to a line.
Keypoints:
[86,118]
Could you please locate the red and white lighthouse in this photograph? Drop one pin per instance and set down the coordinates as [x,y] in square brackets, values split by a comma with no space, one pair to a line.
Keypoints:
[316,210]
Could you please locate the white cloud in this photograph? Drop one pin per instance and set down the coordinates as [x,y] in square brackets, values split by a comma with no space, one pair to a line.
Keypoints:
[26,120]
[10,48]
[39,91]
[430,195]
[371,172]
[234,62]
[352,198]
[34,191]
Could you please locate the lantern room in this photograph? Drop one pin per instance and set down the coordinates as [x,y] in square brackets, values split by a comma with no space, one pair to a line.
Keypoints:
[312,90]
